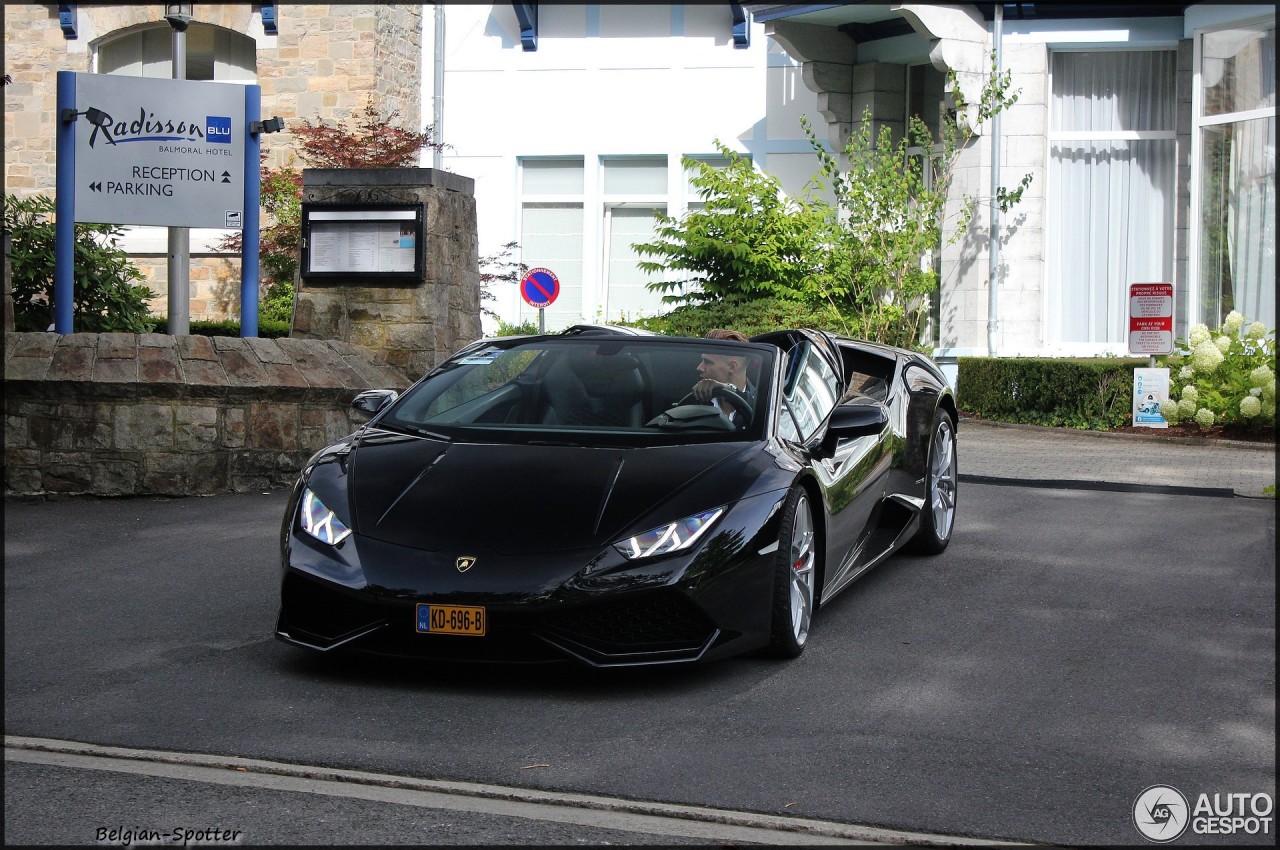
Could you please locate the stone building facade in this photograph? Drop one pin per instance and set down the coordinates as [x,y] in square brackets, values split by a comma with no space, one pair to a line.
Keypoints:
[323,64]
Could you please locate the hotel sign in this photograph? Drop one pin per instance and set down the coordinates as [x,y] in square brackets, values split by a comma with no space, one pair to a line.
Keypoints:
[159,152]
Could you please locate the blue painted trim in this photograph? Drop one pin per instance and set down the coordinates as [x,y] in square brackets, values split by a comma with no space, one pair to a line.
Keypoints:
[67,20]
[741,26]
[269,23]
[593,20]
[527,15]
[677,20]
[249,254]
[64,205]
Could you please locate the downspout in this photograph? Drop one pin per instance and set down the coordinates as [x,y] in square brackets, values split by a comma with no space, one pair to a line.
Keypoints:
[993,276]
[437,111]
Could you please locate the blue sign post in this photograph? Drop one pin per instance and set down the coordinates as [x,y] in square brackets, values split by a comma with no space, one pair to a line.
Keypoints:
[540,288]
[150,151]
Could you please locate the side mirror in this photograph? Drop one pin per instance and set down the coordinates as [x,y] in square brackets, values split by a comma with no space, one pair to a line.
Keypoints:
[370,402]
[863,417]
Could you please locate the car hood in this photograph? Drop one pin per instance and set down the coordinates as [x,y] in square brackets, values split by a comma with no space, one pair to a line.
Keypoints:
[432,495]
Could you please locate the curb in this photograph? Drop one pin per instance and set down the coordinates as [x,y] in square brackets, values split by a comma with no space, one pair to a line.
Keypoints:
[1183,441]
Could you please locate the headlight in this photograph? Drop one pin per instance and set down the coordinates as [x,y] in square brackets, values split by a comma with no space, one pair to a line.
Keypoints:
[672,537]
[320,522]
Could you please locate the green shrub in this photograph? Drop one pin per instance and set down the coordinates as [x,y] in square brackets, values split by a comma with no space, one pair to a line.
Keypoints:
[751,316]
[1225,377]
[1094,394]
[105,298]
[268,328]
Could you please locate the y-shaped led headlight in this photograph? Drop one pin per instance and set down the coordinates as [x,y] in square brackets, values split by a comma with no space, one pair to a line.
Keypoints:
[672,537]
[320,522]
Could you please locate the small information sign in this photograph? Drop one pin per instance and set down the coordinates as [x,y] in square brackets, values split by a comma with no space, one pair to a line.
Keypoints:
[1150,389]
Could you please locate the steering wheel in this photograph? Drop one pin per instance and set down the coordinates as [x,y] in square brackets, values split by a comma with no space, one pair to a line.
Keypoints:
[740,403]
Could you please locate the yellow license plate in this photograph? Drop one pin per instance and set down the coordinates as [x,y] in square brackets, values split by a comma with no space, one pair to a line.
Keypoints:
[451,619]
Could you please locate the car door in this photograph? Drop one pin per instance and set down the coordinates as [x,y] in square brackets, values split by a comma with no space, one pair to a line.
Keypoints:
[853,473]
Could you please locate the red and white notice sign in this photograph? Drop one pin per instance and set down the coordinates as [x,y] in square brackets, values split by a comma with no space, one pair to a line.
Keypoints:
[1151,318]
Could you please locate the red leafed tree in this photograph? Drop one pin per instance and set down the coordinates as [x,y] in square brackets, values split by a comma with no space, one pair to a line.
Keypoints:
[373,142]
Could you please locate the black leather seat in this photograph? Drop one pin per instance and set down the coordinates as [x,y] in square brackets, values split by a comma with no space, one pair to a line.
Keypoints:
[589,389]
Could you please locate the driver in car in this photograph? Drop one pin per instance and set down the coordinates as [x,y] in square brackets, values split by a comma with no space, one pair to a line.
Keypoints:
[722,370]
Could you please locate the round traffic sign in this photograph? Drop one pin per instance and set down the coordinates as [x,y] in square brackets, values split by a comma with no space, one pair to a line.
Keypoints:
[539,288]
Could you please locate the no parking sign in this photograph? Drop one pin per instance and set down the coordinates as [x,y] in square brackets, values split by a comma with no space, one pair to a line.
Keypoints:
[540,288]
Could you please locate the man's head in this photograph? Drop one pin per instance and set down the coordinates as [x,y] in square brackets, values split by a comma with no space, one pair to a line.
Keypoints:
[724,333]
[725,368]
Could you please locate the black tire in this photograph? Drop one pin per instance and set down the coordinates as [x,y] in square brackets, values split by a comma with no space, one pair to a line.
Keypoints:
[795,578]
[938,516]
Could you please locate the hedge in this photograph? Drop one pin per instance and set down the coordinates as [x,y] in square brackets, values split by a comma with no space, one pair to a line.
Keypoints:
[1094,394]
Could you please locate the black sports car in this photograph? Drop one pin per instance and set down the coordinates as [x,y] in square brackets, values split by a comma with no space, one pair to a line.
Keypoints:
[567,496]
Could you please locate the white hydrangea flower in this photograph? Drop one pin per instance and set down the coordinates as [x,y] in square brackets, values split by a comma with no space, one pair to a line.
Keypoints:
[1204,417]
[1259,376]
[1190,393]
[1233,322]
[1250,407]
[1269,391]
[1169,410]
[1207,358]
[1199,333]
[1256,392]
[1186,409]
[1256,330]
[1223,343]
[1186,373]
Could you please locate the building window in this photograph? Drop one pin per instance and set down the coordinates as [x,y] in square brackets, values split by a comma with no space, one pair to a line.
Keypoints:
[551,237]
[927,100]
[1111,187]
[213,53]
[1236,174]
[635,190]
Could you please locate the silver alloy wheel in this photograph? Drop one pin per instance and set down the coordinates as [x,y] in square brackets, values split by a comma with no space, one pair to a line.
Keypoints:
[802,576]
[942,467]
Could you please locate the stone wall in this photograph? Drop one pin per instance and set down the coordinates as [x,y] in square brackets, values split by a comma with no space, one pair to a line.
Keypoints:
[150,414]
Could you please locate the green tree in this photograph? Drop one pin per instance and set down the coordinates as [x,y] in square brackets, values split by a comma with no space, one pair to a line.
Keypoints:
[748,240]
[104,294]
[865,258]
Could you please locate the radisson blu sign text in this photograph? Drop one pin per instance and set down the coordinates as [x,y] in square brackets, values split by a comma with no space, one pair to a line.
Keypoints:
[160,152]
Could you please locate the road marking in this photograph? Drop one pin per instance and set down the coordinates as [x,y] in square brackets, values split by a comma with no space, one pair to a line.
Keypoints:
[712,824]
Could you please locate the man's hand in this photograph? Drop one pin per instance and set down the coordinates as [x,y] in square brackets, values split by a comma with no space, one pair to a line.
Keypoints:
[704,389]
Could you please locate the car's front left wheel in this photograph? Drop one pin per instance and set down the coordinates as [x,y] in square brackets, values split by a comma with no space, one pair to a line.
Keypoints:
[795,578]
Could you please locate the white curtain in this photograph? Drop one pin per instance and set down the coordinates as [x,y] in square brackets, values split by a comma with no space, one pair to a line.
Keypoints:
[1238,183]
[1111,198]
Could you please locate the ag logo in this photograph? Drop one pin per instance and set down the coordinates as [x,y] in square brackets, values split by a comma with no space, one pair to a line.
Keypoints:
[465,562]
[1160,813]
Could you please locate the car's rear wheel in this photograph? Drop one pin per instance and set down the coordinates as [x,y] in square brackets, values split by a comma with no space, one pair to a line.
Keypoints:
[795,578]
[938,516]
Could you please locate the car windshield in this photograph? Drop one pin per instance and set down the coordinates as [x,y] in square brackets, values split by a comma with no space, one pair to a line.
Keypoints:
[636,390]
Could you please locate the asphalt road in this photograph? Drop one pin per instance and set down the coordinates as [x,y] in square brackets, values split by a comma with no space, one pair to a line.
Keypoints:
[1069,650]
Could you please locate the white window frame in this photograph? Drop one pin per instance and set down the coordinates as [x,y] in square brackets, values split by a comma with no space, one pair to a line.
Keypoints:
[1049,319]
[1190,298]
[611,201]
